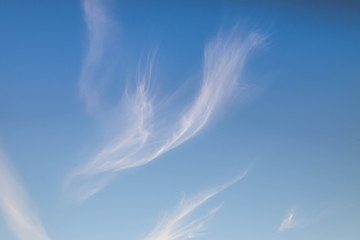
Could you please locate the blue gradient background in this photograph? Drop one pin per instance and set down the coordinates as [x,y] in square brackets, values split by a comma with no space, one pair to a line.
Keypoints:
[298,131]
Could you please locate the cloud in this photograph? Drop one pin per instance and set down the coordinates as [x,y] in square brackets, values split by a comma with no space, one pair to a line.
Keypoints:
[99,27]
[289,221]
[306,220]
[179,224]
[14,203]
[147,132]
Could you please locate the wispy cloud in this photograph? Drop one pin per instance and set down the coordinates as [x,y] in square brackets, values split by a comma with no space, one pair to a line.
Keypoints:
[99,27]
[147,132]
[14,203]
[306,220]
[180,223]
[289,221]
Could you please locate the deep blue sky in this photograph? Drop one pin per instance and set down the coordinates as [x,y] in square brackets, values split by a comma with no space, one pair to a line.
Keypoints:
[296,127]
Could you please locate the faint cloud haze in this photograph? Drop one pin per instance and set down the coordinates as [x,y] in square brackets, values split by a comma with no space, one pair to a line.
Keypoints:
[14,203]
[147,132]
[289,221]
[180,224]
[98,25]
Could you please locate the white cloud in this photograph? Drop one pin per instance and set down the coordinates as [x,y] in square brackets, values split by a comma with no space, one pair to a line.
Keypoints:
[179,224]
[148,133]
[289,221]
[14,203]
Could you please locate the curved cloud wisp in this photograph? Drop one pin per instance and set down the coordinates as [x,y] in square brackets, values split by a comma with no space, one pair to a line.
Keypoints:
[149,133]
[179,225]
[14,203]
[98,25]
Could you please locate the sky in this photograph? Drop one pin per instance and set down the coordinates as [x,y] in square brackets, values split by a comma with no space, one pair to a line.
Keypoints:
[174,120]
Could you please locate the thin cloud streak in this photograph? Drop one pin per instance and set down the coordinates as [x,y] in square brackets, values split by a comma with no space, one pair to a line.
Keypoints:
[148,133]
[179,224]
[14,203]
[98,26]
[289,221]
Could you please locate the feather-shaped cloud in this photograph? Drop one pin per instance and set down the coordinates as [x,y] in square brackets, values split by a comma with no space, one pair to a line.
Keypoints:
[148,133]
[179,224]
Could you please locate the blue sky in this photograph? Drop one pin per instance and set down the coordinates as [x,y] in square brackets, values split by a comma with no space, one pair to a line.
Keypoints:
[177,120]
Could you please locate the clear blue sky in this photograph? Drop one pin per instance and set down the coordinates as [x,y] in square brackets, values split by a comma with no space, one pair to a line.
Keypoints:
[287,131]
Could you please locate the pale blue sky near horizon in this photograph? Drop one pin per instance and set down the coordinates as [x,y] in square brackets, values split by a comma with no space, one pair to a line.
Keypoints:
[295,127]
